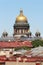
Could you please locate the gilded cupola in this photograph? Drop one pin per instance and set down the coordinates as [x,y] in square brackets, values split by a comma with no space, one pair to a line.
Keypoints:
[21,17]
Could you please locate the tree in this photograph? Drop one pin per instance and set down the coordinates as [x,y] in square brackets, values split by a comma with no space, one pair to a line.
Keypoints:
[37,43]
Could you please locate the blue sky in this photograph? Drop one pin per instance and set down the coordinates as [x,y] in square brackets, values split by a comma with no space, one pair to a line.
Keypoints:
[33,10]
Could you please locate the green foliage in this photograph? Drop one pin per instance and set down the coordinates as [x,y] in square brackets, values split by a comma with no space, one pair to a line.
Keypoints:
[24,47]
[37,43]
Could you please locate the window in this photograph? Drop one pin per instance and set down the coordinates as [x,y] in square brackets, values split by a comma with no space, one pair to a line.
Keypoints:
[2,63]
[38,63]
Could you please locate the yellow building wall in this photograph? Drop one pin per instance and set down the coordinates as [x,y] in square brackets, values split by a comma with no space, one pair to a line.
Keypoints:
[20,63]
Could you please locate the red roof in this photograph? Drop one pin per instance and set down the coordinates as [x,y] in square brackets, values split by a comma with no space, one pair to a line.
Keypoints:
[21,59]
[15,44]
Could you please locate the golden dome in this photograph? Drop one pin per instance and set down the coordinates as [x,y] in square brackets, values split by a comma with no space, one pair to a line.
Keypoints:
[21,17]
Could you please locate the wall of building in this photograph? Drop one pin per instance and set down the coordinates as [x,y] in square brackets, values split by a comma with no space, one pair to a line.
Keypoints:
[5,51]
[20,63]
[42,63]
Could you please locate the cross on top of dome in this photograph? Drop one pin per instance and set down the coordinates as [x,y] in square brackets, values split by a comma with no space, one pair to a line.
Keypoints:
[21,12]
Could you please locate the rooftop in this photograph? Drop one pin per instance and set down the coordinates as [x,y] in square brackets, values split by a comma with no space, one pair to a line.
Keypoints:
[21,59]
[14,44]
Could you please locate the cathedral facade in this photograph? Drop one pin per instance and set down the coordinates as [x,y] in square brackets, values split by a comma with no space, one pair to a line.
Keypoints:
[21,38]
